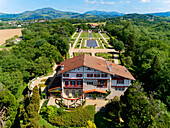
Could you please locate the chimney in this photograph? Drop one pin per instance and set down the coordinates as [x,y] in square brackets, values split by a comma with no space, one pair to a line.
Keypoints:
[62,67]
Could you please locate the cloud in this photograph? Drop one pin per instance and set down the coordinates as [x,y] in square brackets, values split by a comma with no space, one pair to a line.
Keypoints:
[99,2]
[144,1]
[91,2]
[166,2]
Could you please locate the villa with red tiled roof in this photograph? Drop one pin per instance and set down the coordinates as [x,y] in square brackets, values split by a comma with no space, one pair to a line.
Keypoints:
[86,74]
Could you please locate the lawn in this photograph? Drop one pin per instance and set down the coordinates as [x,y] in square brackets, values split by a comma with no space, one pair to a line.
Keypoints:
[76,54]
[42,122]
[78,43]
[96,35]
[105,44]
[76,35]
[84,35]
[72,42]
[105,55]
[100,45]
[105,35]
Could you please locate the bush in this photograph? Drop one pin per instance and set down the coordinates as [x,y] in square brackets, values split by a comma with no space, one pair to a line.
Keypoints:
[61,118]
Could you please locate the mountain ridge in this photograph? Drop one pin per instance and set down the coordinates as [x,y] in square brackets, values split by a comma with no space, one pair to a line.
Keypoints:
[51,13]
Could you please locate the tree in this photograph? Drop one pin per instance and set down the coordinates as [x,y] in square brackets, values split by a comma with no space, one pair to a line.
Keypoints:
[8,107]
[139,110]
[117,44]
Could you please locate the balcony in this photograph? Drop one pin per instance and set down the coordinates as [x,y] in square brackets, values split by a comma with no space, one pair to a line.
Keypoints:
[73,86]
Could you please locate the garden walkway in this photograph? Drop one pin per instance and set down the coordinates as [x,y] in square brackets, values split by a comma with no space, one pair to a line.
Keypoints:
[38,80]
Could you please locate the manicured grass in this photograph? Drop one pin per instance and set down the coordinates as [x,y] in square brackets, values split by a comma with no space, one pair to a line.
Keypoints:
[76,35]
[67,56]
[72,42]
[76,54]
[78,43]
[100,45]
[83,45]
[105,35]
[84,35]
[105,44]
[105,55]
[96,35]
[42,122]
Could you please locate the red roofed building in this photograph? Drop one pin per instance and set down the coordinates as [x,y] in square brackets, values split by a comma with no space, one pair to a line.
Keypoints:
[84,74]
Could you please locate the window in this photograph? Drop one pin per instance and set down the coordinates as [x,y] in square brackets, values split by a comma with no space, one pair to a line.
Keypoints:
[120,89]
[73,93]
[79,93]
[88,68]
[89,75]
[73,83]
[79,83]
[66,83]
[78,75]
[102,82]
[66,75]
[104,75]
[89,83]
[67,92]
[120,81]
[96,75]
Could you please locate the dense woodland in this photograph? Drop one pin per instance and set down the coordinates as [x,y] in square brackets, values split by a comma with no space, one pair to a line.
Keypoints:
[145,104]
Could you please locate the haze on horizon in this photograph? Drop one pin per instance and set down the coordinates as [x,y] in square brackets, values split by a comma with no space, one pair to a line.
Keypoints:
[81,6]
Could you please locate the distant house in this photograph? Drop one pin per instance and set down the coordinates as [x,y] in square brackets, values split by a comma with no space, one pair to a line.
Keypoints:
[41,21]
[85,75]
[15,41]
[94,25]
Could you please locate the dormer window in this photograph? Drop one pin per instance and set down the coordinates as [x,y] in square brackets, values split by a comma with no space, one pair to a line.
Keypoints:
[96,75]
[104,75]
[89,75]
[88,68]
[65,75]
[78,75]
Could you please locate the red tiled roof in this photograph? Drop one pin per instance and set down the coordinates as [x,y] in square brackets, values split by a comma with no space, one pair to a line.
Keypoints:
[95,63]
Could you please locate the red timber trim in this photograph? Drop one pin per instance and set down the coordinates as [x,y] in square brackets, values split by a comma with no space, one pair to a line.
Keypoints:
[116,78]
[120,86]
[75,85]
[53,88]
[72,79]
[96,79]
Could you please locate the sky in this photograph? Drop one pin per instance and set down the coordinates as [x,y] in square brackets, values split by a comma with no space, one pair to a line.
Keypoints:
[81,6]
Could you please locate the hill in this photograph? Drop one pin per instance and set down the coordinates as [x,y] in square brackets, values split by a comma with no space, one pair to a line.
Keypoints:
[48,13]
[104,13]
[165,14]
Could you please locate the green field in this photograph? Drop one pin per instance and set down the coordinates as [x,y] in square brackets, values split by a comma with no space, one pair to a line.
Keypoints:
[96,35]
[105,35]
[84,35]
[76,35]
[78,43]
[100,45]
[76,54]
